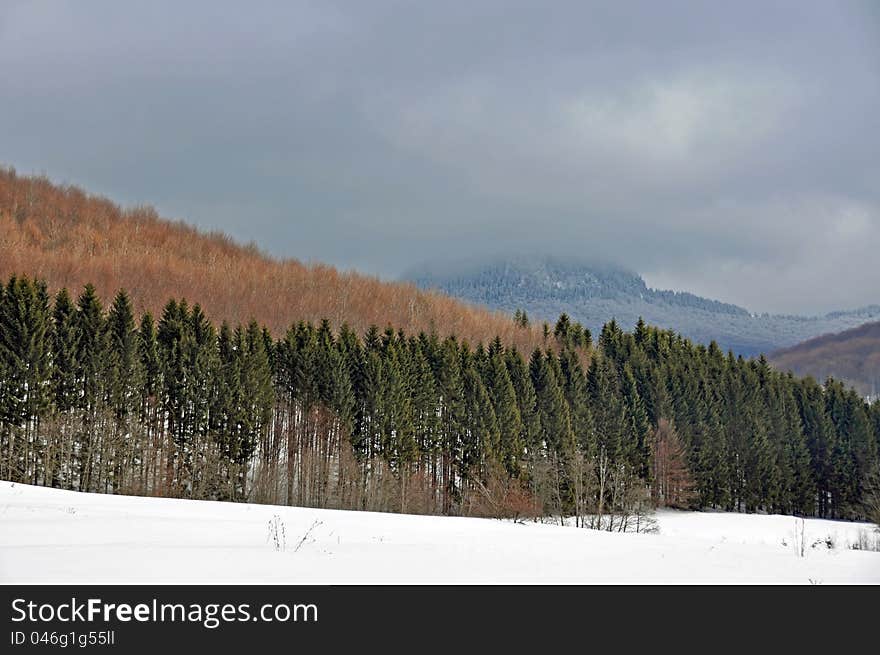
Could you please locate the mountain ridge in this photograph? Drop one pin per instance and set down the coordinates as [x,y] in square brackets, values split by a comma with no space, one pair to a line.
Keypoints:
[852,355]
[594,293]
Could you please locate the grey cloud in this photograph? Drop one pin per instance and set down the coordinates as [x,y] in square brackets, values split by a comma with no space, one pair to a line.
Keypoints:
[725,150]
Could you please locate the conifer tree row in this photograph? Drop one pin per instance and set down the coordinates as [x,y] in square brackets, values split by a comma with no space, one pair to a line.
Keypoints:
[97,399]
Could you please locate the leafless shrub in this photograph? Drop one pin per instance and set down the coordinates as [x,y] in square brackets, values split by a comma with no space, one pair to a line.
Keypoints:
[620,500]
[499,496]
[307,535]
[277,533]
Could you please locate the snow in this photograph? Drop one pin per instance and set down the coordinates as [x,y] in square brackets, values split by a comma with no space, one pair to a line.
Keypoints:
[51,536]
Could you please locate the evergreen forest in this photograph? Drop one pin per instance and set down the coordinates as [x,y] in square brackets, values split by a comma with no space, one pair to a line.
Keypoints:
[103,399]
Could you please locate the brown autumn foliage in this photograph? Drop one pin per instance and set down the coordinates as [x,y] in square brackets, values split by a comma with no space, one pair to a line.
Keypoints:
[499,496]
[852,356]
[70,238]
[673,485]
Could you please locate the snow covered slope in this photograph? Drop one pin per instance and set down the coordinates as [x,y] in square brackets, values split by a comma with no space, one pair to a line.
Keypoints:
[52,536]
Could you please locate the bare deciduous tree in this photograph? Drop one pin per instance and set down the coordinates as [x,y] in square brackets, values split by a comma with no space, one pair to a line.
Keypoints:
[672,483]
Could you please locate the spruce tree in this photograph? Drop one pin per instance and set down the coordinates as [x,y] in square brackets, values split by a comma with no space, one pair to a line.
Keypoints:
[25,353]
[504,403]
[481,438]
[90,365]
[122,355]
[527,402]
[607,407]
[574,388]
[121,390]
[562,331]
[64,348]
[425,400]
[398,431]
[450,387]
[256,381]
[554,419]
[148,357]
[373,381]
[635,444]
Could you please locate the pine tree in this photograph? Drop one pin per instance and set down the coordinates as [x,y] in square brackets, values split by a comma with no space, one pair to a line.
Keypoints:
[146,394]
[225,415]
[574,388]
[340,395]
[635,444]
[122,354]
[398,432]
[875,418]
[641,333]
[527,403]
[64,348]
[862,448]
[172,335]
[121,391]
[90,365]
[25,353]
[373,381]
[818,434]
[510,448]
[424,401]
[607,407]
[202,365]
[563,331]
[447,370]
[352,354]
[554,418]
[610,342]
[712,456]
[256,376]
[481,439]
[761,475]
[64,338]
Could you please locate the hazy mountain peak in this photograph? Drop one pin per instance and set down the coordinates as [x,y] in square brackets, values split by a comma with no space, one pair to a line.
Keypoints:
[594,292]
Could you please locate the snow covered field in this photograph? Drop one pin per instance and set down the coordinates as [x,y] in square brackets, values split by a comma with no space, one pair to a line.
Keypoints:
[51,536]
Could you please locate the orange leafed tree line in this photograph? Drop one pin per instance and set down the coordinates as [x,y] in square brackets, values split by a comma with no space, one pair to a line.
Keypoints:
[70,238]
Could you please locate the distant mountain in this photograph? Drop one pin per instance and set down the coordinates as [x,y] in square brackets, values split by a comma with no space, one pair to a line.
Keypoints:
[852,356]
[593,294]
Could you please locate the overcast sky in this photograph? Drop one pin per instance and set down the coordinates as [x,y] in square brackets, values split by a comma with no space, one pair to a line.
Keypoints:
[728,149]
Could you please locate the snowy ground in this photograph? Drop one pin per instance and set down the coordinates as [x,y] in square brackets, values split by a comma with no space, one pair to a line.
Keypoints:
[51,536]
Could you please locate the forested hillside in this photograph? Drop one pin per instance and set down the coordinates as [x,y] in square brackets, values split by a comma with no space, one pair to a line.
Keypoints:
[852,356]
[594,294]
[70,238]
[323,415]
